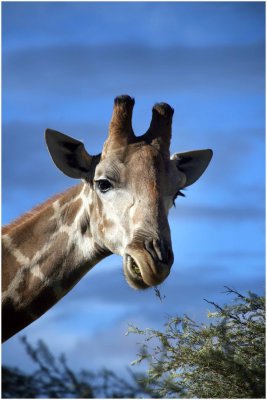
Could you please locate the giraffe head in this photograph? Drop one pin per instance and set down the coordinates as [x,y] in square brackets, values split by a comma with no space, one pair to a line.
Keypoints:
[134,183]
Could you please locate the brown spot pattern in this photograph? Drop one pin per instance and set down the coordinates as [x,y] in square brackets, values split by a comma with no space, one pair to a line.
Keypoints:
[107,223]
[85,226]
[51,261]
[71,211]
[62,197]
[70,194]
[33,235]
[13,266]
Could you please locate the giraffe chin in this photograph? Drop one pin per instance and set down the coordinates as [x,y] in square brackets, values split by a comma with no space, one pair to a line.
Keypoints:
[143,275]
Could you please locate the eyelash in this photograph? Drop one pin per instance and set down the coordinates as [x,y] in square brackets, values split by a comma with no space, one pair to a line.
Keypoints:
[179,193]
[103,185]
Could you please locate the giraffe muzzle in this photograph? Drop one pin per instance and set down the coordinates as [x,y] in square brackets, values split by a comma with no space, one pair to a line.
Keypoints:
[148,265]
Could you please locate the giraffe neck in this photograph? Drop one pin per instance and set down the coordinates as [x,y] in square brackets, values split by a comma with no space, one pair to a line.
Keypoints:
[45,253]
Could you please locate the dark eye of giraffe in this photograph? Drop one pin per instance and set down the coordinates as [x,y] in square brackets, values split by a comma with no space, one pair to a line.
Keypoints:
[103,185]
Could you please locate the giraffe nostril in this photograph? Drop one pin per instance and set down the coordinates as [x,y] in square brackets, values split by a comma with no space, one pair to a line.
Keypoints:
[164,249]
[166,252]
[159,250]
[150,248]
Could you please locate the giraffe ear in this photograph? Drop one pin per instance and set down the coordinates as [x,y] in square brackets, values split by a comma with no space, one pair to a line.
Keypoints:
[70,156]
[192,164]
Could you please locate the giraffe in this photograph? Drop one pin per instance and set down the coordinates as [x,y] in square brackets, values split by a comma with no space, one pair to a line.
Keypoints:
[120,206]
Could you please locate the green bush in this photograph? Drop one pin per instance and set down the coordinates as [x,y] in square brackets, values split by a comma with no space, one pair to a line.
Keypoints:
[224,359]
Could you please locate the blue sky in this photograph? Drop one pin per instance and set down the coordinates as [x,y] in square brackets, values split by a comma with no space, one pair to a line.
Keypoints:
[63,64]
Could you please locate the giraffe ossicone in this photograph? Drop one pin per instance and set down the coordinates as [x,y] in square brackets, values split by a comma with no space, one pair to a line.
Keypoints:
[120,206]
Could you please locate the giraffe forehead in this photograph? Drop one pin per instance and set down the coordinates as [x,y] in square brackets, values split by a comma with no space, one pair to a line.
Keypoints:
[146,157]
[137,159]
[111,167]
[149,170]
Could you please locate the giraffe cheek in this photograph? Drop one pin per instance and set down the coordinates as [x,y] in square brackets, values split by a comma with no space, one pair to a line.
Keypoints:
[114,242]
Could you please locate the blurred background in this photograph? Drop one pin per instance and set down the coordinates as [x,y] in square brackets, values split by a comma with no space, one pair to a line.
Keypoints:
[62,65]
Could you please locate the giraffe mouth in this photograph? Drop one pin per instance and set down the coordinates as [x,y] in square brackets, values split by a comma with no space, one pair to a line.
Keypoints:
[133,273]
[135,269]
[142,272]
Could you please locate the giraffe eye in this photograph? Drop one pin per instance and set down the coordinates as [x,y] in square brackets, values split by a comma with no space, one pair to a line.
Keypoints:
[103,185]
